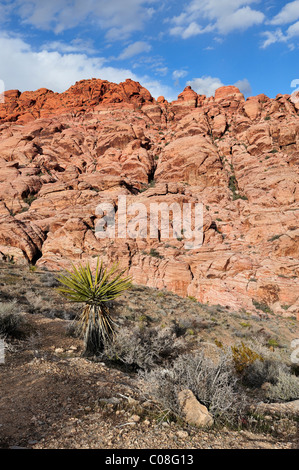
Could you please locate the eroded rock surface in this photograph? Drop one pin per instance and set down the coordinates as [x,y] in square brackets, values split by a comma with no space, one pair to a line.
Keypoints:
[61,155]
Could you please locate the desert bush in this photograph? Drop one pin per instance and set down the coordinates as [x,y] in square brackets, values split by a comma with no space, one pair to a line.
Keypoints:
[215,385]
[260,372]
[72,329]
[243,356]
[285,389]
[12,322]
[49,280]
[35,301]
[144,348]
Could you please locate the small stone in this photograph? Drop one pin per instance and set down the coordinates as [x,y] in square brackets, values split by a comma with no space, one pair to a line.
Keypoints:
[182,434]
[135,418]
[58,351]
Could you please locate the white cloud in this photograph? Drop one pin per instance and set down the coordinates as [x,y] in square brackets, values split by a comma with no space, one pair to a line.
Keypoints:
[157,89]
[177,74]
[244,86]
[241,19]
[76,45]
[293,30]
[192,30]
[222,16]
[25,69]
[161,71]
[207,85]
[120,18]
[273,37]
[135,48]
[288,14]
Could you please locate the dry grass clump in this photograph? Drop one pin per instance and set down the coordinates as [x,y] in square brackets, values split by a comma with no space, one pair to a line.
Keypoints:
[144,348]
[285,389]
[12,322]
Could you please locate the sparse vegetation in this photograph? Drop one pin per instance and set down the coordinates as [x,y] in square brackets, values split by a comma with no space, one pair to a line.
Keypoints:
[275,237]
[143,348]
[162,344]
[262,306]
[29,199]
[215,385]
[12,323]
[233,186]
[285,389]
[155,254]
[243,356]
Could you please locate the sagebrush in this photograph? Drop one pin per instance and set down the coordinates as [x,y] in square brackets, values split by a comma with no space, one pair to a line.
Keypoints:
[215,385]
[143,347]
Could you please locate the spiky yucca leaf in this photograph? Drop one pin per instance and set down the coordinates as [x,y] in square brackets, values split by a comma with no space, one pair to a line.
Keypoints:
[80,285]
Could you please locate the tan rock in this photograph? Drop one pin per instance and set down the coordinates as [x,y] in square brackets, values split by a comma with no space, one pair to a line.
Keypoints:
[194,412]
[252,109]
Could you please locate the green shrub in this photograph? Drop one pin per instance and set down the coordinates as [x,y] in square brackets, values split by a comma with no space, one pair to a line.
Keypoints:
[155,254]
[262,306]
[243,357]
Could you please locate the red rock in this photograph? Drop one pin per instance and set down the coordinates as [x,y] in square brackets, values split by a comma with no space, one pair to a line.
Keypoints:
[226,92]
[63,154]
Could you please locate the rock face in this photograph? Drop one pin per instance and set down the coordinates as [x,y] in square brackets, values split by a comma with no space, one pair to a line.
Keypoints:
[61,155]
[194,412]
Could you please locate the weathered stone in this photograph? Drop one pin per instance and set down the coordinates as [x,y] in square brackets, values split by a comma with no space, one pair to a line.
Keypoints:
[61,155]
[194,412]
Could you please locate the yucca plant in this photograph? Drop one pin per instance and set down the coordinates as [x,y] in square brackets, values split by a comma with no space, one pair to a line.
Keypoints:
[95,291]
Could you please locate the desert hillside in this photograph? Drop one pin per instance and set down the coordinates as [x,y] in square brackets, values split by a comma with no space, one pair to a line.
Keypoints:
[63,154]
[53,397]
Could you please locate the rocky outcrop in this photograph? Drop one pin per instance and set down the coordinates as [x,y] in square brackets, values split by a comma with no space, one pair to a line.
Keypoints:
[289,408]
[84,95]
[61,155]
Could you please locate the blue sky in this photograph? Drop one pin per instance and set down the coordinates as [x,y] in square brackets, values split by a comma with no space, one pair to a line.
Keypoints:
[165,45]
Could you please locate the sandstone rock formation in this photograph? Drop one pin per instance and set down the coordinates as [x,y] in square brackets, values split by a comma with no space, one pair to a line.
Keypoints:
[61,155]
[194,412]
